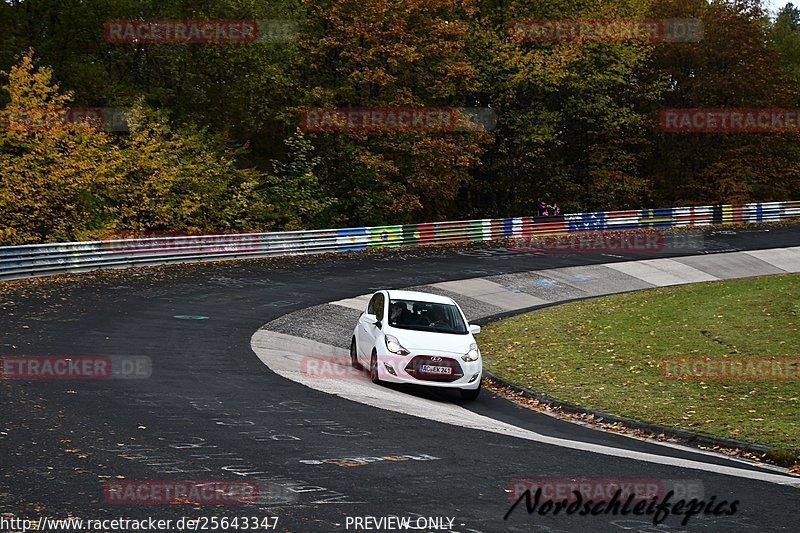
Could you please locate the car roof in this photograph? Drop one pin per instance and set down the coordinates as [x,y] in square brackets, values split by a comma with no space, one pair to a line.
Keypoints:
[418,297]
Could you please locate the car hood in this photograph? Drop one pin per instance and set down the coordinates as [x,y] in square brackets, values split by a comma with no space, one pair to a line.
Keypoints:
[420,341]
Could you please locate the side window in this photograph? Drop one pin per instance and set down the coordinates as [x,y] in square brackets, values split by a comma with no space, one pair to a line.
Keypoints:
[379,301]
[371,306]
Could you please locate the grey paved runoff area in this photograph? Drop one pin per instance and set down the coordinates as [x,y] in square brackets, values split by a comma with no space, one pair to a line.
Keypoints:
[213,410]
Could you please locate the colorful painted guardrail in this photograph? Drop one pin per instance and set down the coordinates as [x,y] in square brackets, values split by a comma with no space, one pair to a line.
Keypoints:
[48,259]
[501,228]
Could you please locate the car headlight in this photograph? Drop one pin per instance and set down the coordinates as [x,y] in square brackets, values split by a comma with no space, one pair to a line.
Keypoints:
[472,354]
[394,346]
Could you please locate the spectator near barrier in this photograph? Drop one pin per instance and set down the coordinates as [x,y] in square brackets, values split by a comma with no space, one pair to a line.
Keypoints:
[543,210]
[546,210]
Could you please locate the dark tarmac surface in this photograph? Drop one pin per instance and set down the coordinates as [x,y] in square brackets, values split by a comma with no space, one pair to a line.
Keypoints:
[211,410]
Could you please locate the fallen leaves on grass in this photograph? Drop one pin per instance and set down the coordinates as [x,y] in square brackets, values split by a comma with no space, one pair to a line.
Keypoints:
[617,427]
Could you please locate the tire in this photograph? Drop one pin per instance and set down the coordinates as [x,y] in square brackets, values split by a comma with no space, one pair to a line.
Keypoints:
[373,368]
[470,395]
[354,356]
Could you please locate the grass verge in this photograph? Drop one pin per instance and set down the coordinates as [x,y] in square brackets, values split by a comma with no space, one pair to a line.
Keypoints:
[604,353]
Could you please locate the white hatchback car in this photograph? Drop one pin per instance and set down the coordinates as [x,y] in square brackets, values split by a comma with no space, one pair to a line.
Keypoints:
[419,338]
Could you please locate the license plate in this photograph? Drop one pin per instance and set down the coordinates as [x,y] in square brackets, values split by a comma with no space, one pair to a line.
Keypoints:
[430,369]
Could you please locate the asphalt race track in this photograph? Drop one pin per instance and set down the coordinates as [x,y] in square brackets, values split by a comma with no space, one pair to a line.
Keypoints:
[211,410]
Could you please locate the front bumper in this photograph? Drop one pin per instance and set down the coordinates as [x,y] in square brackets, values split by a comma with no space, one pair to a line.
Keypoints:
[417,367]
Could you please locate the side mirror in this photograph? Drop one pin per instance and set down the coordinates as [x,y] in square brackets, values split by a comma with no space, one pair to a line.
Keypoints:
[378,324]
[474,329]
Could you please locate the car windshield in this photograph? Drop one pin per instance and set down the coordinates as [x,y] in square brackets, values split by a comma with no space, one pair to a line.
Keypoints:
[426,316]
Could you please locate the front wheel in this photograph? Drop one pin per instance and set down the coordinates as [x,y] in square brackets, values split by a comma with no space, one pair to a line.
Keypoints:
[470,395]
[354,355]
[373,368]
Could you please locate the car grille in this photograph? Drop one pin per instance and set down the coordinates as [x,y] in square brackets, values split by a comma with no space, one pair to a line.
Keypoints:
[416,368]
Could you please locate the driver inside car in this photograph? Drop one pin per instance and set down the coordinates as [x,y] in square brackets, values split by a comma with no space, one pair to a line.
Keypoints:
[418,318]
[396,312]
[437,317]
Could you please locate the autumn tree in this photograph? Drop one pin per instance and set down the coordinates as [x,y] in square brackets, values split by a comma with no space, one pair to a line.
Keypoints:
[731,67]
[379,54]
[294,190]
[56,175]
[577,122]
[183,179]
[784,36]
[572,115]
[67,180]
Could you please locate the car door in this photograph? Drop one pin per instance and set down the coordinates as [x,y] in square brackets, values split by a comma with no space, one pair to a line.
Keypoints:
[372,329]
[375,312]
[364,339]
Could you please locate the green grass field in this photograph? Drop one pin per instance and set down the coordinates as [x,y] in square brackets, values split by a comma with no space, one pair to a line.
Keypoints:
[604,353]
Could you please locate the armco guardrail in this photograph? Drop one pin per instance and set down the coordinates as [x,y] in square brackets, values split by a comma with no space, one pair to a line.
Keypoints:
[48,259]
